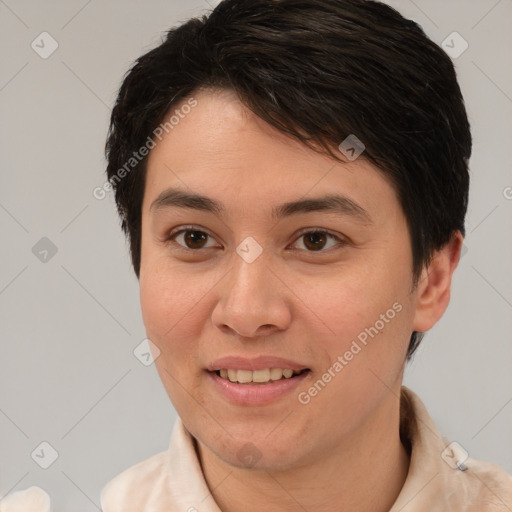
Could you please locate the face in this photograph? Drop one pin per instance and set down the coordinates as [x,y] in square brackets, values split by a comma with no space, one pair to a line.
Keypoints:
[262,277]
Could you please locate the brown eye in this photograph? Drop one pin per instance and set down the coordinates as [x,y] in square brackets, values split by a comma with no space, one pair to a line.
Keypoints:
[195,239]
[315,241]
[192,239]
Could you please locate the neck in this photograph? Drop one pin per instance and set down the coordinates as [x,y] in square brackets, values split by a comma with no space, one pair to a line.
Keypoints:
[366,473]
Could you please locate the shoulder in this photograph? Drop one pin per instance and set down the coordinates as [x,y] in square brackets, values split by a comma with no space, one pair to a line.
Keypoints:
[33,499]
[131,489]
[167,481]
[442,475]
[489,484]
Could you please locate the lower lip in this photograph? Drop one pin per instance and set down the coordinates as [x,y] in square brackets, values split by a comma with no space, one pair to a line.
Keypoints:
[256,394]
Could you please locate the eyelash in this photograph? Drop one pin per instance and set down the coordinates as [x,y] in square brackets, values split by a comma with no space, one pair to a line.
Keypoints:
[301,233]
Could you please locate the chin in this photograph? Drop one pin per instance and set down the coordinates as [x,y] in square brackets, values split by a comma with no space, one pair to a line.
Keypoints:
[257,452]
[253,458]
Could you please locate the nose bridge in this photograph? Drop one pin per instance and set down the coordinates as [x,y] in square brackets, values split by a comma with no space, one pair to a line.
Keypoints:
[249,277]
[250,298]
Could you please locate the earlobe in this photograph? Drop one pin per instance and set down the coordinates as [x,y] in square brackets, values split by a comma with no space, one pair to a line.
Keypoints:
[434,286]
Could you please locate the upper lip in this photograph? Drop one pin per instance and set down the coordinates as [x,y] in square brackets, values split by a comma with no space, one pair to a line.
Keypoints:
[255,363]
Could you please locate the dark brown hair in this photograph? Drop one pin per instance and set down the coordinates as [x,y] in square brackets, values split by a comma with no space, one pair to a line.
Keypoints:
[318,70]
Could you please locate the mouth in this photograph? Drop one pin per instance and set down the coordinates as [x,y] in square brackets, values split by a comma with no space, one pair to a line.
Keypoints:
[260,380]
[257,387]
[260,377]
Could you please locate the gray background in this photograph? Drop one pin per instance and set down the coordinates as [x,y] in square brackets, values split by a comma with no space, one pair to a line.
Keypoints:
[69,326]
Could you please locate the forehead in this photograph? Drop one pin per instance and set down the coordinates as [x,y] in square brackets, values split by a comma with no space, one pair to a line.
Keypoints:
[220,148]
[221,131]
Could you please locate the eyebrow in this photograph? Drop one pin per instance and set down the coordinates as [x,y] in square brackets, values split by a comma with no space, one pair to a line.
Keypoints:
[342,205]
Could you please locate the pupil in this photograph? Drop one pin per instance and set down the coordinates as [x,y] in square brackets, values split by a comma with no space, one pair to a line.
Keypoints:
[316,237]
[192,238]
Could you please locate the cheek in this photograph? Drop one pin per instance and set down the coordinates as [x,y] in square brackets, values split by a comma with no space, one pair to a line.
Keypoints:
[176,309]
[368,315]
[170,305]
[167,298]
[350,300]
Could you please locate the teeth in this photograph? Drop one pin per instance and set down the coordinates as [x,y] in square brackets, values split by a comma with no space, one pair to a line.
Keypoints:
[258,376]
[276,373]
[244,376]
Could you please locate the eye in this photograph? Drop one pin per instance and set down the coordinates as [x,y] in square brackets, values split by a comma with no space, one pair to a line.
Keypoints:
[191,238]
[312,240]
[315,240]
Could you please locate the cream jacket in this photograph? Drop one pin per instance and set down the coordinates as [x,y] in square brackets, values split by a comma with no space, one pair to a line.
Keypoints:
[441,477]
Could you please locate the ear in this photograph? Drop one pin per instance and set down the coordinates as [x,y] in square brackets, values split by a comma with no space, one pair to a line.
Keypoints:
[434,285]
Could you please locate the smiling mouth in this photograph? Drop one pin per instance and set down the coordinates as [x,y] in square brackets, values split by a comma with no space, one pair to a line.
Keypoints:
[258,377]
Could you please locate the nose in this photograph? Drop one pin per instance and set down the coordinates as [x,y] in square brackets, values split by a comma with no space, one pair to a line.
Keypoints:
[253,301]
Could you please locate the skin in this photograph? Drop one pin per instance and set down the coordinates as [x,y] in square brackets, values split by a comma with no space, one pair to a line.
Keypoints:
[342,450]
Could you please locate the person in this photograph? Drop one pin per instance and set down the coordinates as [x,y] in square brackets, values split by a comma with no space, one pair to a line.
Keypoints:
[292,177]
